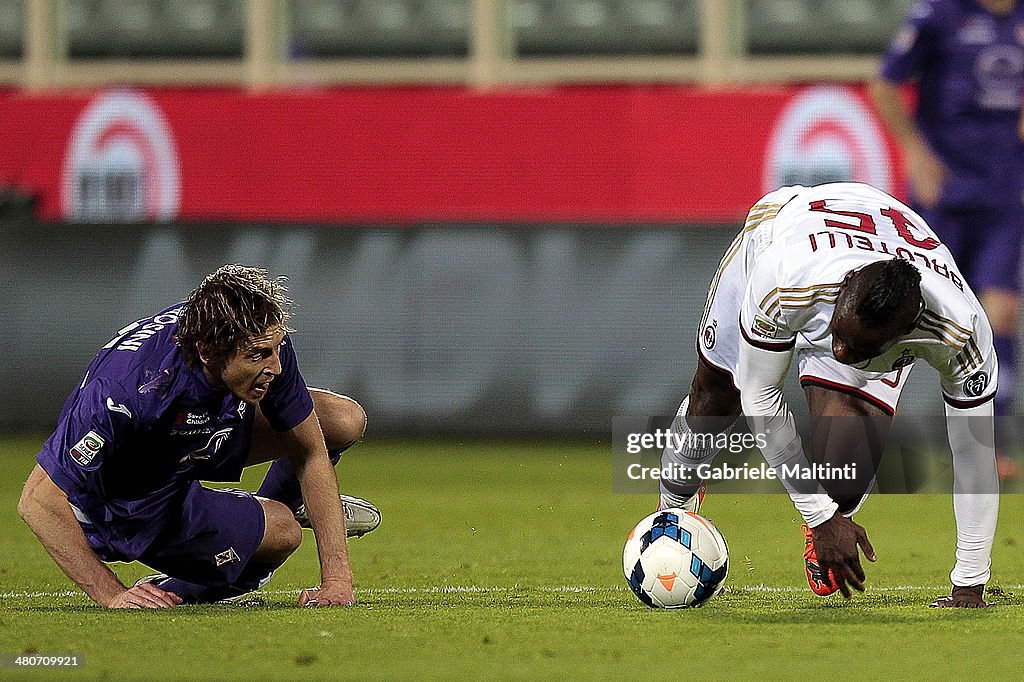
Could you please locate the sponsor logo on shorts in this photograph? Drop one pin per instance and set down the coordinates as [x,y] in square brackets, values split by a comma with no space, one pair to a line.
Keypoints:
[764,328]
[975,384]
[85,450]
[710,337]
[226,557]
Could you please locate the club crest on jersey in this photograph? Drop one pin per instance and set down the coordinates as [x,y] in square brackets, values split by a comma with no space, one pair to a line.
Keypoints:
[975,384]
[764,328]
[226,557]
[710,335]
[155,381]
[85,450]
[906,358]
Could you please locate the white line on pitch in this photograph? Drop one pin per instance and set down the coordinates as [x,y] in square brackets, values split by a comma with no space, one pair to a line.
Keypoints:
[481,589]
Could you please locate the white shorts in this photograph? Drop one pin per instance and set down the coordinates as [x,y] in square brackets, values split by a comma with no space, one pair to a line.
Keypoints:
[719,337]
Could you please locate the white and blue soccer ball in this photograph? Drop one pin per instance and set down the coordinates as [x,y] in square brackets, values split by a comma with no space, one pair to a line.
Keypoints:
[675,559]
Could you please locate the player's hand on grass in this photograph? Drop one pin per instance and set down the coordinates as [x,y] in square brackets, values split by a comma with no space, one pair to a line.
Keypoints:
[963,598]
[329,594]
[836,542]
[145,596]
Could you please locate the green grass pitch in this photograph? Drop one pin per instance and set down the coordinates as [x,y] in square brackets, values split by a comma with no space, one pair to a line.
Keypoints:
[503,560]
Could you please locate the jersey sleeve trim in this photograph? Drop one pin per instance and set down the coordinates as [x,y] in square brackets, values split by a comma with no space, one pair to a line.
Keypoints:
[967,404]
[776,347]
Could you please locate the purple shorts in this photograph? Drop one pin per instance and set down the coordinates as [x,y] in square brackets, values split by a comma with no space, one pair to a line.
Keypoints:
[212,539]
[985,243]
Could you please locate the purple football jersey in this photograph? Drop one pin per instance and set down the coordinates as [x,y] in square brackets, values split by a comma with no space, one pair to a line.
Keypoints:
[969,67]
[142,426]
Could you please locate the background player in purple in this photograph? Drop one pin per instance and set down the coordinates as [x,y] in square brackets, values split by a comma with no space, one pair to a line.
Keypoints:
[965,158]
[198,392]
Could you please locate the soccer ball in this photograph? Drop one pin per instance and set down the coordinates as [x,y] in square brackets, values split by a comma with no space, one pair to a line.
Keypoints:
[674,559]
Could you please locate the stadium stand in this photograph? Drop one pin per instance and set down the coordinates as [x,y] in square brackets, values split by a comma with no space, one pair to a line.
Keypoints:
[267,43]
[155,28]
[786,27]
[379,28]
[11,20]
[605,27]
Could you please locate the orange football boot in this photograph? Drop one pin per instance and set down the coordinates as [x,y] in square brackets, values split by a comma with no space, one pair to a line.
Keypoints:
[815,576]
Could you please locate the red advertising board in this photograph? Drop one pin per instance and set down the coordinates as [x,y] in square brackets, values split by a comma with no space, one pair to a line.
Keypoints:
[600,154]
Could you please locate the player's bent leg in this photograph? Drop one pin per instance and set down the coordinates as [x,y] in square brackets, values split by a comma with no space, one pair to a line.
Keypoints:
[282,535]
[224,543]
[343,423]
[711,408]
[847,429]
[712,393]
[342,419]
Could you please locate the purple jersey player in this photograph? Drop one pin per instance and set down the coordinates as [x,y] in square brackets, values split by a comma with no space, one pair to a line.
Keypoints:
[197,392]
[965,158]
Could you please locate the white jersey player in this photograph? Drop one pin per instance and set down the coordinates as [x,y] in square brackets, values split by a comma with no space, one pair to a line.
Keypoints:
[822,273]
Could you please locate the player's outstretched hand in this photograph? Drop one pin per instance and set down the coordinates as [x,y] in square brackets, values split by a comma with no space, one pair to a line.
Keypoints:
[328,594]
[836,542]
[145,596]
[963,598]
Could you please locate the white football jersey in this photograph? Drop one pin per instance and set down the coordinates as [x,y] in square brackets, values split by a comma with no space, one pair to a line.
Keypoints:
[806,240]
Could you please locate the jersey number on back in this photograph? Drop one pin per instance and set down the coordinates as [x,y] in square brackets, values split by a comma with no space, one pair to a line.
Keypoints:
[866,223]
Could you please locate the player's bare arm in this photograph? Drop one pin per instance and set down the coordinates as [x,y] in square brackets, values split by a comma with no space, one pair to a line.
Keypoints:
[320,493]
[975,501]
[46,510]
[926,171]
[762,374]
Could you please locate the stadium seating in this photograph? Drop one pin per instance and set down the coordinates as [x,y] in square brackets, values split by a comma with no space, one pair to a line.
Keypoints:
[380,28]
[11,20]
[604,27]
[155,28]
[422,28]
[344,28]
[775,27]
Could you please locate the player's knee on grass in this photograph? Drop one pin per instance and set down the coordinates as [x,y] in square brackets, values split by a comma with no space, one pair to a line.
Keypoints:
[282,536]
[342,419]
